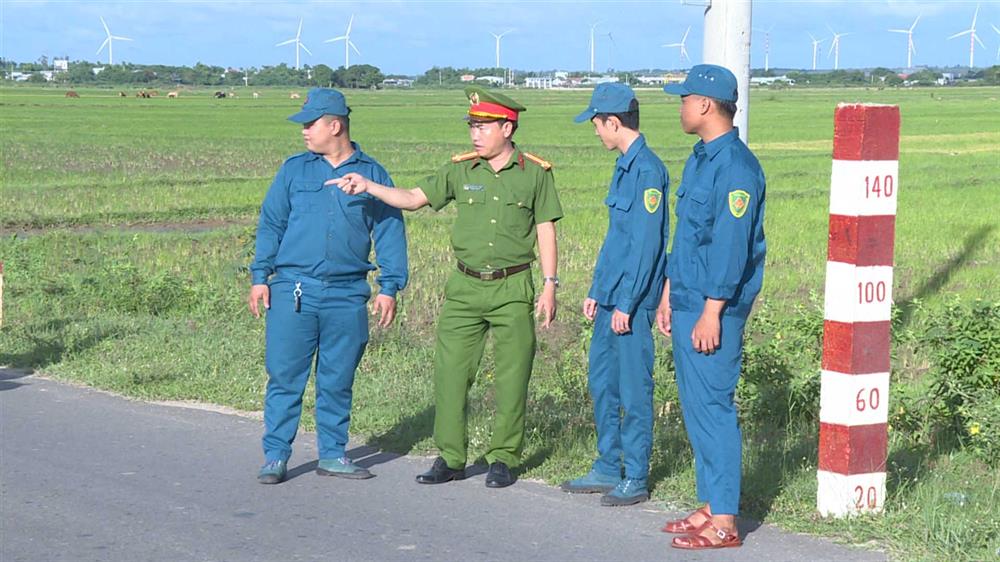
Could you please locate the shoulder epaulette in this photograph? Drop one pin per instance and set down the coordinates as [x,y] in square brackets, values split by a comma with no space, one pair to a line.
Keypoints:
[544,164]
[464,156]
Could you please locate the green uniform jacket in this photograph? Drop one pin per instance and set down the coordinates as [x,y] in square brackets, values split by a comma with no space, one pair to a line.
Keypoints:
[497,211]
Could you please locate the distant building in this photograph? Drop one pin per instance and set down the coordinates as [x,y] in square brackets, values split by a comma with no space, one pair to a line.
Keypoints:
[768,80]
[397,83]
[467,77]
[594,80]
[538,82]
[494,80]
[651,80]
[60,65]
[97,70]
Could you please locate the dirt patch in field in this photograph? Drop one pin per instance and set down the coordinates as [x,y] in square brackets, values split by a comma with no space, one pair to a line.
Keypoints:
[154,227]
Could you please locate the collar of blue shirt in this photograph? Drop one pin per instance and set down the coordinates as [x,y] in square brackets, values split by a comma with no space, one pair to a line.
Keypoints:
[625,160]
[717,144]
[358,156]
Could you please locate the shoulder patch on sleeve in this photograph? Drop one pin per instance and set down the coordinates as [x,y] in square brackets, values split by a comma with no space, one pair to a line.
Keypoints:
[651,197]
[544,164]
[739,201]
[464,156]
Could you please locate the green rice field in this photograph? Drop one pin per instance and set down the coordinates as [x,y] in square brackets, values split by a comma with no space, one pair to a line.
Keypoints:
[126,226]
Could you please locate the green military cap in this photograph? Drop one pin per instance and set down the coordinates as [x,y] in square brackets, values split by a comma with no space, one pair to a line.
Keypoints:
[485,104]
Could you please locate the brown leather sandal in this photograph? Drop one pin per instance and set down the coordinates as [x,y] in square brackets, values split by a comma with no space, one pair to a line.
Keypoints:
[685,526]
[700,542]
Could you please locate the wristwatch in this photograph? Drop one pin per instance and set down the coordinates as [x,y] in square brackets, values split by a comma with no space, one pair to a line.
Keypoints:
[553,279]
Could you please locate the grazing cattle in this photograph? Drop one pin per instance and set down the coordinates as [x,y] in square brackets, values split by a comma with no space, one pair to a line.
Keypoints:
[142,94]
[294,96]
[122,95]
[72,94]
[172,94]
[219,95]
[256,95]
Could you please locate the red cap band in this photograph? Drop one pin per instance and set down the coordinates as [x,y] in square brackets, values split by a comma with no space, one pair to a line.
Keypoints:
[492,110]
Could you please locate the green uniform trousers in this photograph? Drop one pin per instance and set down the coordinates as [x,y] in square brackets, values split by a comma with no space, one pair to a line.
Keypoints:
[471,308]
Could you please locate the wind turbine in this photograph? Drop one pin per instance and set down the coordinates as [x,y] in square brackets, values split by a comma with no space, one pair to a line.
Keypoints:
[498,37]
[767,46]
[997,29]
[684,53]
[910,48]
[592,27]
[298,44]
[611,50]
[348,44]
[815,43]
[835,47]
[110,42]
[972,38]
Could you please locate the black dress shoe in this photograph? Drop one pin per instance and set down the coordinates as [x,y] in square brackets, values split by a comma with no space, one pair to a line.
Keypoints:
[440,473]
[499,476]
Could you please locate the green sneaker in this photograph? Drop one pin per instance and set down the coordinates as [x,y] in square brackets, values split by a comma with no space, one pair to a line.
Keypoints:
[342,467]
[591,483]
[273,472]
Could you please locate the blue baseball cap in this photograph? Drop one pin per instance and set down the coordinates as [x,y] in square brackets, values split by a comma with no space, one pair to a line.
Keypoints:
[707,80]
[320,102]
[609,97]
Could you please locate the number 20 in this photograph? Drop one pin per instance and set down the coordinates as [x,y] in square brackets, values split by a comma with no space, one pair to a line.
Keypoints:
[859,500]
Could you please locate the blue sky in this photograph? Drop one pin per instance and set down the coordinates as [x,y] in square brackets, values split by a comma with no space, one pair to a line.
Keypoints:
[411,36]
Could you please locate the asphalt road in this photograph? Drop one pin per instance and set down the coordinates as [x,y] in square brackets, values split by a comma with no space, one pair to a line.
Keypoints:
[87,476]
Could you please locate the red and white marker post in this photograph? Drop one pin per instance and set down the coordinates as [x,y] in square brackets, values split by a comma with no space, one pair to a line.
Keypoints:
[854,395]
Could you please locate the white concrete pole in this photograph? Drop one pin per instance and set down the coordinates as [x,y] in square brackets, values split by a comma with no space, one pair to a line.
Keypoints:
[727,43]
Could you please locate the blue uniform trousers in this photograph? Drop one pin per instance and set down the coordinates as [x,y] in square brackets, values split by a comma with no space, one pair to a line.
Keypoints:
[706,385]
[330,326]
[621,386]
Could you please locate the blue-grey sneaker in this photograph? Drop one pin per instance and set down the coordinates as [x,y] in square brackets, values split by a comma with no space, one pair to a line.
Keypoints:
[342,467]
[628,492]
[273,472]
[591,483]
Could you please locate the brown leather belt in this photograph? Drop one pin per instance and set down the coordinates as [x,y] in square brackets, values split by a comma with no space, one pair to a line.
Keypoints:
[492,275]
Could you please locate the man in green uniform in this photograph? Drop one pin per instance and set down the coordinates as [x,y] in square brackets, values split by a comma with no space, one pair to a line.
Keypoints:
[506,201]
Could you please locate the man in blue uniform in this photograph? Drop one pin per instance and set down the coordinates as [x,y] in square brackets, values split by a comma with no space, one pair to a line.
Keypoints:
[715,271]
[311,272]
[622,302]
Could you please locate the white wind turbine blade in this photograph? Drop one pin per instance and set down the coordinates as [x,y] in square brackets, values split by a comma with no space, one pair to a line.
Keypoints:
[912,46]
[104,44]
[974,17]
[299,32]
[900,30]
[833,45]
[353,46]
[290,41]
[961,33]
[684,39]
[120,38]
[912,27]
[105,24]
[306,49]
[335,39]
[978,40]
[350,22]
[995,28]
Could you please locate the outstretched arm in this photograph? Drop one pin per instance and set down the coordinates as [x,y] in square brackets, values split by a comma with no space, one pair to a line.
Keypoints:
[408,199]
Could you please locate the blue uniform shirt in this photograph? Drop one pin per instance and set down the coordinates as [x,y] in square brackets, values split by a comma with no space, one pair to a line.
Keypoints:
[310,230]
[719,246]
[629,271]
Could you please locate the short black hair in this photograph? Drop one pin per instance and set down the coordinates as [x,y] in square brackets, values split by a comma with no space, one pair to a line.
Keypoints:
[726,108]
[345,121]
[629,119]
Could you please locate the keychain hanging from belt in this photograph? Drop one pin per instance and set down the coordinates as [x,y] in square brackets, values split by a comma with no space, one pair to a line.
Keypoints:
[297,293]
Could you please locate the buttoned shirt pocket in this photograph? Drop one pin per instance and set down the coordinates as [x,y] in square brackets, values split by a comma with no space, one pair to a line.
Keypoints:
[471,197]
[306,196]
